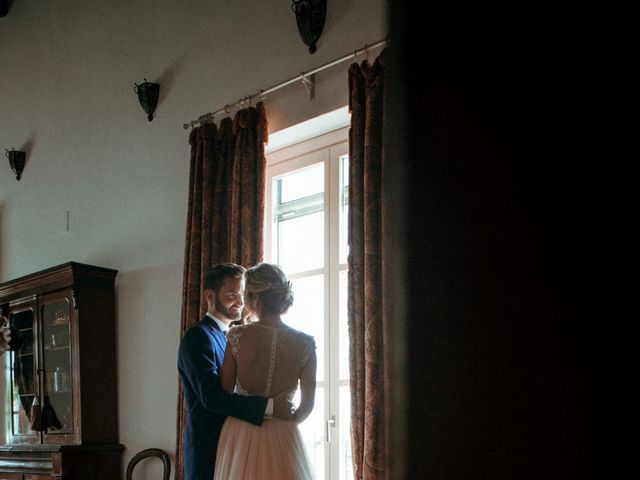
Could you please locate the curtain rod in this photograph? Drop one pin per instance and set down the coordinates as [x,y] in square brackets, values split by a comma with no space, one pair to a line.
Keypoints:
[303,77]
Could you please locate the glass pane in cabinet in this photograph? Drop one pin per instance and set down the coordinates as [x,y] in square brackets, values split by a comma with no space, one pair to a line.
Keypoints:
[56,337]
[23,372]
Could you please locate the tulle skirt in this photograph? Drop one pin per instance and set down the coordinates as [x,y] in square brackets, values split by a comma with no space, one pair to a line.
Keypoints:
[273,451]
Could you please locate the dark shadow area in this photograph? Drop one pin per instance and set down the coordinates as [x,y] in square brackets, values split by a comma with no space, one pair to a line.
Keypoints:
[515,243]
[335,11]
[167,80]
[28,147]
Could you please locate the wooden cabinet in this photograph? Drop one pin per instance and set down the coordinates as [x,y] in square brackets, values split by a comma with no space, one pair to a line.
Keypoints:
[60,381]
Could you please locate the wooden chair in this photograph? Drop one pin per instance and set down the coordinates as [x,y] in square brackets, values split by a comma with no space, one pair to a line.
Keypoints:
[150,452]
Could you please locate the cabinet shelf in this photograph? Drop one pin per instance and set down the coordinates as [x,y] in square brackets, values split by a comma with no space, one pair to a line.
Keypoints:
[57,349]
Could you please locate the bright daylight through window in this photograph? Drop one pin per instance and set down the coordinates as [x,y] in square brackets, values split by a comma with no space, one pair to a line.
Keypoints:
[306,220]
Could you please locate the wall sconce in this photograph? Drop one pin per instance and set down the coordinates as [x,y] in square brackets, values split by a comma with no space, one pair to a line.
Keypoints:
[4,7]
[310,16]
[148,94]
[16,160]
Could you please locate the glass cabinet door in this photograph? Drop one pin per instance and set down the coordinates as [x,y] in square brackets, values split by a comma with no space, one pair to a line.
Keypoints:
[21,369]
[57,398]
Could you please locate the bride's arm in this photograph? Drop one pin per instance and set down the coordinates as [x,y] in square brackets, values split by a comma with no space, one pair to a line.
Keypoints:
[228,372]
[307,389]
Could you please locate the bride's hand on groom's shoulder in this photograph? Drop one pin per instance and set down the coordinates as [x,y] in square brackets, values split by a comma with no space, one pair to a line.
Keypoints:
[283,408]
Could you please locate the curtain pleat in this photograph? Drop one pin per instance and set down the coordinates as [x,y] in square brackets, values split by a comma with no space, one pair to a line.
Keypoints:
[225,213]
[367,318]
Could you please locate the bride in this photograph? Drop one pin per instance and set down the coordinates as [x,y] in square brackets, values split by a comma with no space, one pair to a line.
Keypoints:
[267,358]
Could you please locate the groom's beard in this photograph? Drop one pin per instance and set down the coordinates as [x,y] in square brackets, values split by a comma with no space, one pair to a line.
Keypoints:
[226,311]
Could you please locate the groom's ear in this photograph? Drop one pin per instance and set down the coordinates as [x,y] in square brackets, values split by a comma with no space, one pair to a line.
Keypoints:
[210,296]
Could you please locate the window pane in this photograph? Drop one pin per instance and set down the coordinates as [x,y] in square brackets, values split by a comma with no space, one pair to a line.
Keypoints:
[307,313]
[344,170]
[312,430]
[343,329]
[346,462]
[302,183]
[301,243]
[302,246]
[344,208]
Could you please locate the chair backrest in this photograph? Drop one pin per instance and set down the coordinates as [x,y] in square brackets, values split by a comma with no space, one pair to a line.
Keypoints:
[150,452]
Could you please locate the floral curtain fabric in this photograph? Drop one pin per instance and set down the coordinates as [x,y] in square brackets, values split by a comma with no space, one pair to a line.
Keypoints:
[368,322]
[225,212]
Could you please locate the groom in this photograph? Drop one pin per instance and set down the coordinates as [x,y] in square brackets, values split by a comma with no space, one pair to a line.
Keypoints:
[200,360]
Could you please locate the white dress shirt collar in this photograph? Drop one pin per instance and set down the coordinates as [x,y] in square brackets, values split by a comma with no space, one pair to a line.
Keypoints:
[224,328]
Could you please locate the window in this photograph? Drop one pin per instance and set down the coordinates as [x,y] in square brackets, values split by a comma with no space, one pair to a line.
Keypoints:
[307,208]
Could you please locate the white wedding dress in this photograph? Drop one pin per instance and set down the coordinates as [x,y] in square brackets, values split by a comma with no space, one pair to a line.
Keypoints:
[268,362]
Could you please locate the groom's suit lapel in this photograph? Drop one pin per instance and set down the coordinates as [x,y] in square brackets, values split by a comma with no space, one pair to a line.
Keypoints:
[219,340]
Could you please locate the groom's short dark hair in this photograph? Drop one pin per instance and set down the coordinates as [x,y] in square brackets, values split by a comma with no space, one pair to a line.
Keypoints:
[217,274]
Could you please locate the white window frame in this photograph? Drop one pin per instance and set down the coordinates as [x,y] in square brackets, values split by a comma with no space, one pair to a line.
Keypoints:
[328,148]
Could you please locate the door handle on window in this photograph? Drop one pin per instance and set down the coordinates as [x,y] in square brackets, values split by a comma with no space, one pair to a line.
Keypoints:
[329,424]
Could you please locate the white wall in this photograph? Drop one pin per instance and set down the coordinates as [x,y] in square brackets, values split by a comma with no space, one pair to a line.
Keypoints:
[67,72]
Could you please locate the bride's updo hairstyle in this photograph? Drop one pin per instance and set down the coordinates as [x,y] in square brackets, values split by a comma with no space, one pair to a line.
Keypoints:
[269,284]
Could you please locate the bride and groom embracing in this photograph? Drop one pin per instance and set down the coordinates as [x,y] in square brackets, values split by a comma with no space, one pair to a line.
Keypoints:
[239,383]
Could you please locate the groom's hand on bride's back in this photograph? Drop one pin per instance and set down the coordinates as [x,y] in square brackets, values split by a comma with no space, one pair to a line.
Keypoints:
[283,408]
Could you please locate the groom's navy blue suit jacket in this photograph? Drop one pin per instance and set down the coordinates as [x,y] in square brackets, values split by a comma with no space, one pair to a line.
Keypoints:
[199,362]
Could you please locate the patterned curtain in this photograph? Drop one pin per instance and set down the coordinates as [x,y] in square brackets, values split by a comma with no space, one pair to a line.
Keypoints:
[368,322]
[225,216]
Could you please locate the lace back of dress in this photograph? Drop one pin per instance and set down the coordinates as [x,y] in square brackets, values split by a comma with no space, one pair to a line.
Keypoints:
[272,362]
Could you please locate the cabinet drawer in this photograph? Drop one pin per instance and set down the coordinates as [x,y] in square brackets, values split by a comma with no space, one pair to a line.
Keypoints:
[11,476]
[20,476]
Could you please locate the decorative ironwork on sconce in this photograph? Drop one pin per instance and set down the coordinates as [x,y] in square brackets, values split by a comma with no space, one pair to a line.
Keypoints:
[310,17]
[4,7]
[16,160]
[148,94]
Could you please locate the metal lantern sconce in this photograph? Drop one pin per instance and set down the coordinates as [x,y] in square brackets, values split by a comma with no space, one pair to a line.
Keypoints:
[148,94]
[310,16]
[4,7]
[17,161]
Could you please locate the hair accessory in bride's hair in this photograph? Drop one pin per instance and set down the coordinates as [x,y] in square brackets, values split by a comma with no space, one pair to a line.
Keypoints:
[270,283]
[280,287]
[257,286]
